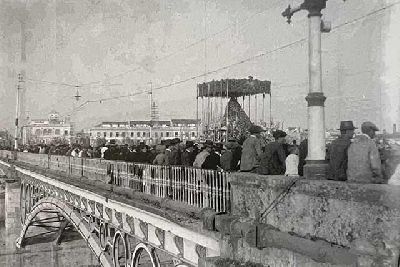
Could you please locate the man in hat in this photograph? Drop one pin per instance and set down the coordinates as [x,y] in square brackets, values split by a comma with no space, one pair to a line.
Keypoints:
[364,163]
[174,157]
[251,152]
[227,157]
[201,157]
[236,154]
[274,156]
[337,153]
[212,161]
[188,155]
[160,159]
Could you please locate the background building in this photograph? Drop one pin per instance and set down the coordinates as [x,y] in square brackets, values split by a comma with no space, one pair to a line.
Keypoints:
[151,132]
[52,129]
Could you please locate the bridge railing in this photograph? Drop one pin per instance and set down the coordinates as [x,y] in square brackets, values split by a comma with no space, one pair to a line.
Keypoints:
[192,186]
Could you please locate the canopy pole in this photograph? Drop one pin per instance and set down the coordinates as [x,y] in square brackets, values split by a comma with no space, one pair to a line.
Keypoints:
[197,113]
[270,110]
[227,110]
[263,109]
[208,109]
[249,108]
[221,114]
[255,111]
[202,115]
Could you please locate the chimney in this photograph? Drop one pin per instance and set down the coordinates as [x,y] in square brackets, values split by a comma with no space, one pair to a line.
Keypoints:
[394,128]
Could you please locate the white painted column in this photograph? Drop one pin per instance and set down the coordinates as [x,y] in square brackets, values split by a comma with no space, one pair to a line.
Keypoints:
[390,78]
[316,112]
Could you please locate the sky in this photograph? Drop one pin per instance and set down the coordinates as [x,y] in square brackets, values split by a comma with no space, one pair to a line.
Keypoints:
[113,48]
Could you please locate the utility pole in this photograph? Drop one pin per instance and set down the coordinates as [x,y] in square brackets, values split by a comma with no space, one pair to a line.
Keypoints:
[316,166]
[16,133]
[151,111]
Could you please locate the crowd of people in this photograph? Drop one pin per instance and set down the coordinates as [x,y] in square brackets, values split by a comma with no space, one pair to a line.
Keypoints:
[351,157]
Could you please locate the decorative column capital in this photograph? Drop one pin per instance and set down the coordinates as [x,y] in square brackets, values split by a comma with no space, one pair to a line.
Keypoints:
[315,99]
[314,7]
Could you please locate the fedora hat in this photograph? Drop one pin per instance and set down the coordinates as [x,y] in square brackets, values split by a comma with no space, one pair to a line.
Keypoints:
[347,125]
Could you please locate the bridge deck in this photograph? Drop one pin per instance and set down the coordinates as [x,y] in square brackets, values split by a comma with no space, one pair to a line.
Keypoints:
[164,214]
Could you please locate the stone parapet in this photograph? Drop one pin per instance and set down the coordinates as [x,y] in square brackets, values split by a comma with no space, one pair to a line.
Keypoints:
[323,221]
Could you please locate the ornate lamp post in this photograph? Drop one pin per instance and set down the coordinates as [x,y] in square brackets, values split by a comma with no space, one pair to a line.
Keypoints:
[316,165]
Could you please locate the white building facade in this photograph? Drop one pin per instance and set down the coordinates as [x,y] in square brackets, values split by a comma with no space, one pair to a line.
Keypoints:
[150,132]
[45,131]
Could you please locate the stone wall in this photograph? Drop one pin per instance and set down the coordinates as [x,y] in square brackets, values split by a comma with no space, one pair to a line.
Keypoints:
[316,222]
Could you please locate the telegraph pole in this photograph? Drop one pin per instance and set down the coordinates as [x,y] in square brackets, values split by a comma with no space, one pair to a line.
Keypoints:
[316,166]
[151,112]
[16,133]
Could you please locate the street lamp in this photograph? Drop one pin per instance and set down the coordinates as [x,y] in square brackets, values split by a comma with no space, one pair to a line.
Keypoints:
[316,166]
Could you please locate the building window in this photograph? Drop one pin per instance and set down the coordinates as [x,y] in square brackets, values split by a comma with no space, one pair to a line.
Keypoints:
[117,134]
[162,134]
[132,134]
[167,134]
[57,131]
[98,134]
[49,131]
[66,132]
[193,134]
[156,134]
[176,134]
[138,134]
[123,134]
[144,134]
[38,132]
[111,134]
[105,134]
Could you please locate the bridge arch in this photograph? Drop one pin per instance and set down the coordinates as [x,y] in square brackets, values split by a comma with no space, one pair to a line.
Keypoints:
[143,248]
[73,217]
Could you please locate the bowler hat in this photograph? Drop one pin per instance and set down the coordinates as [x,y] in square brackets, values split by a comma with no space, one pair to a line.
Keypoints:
[256,129]
[278,134]
[368,125]
[347,125]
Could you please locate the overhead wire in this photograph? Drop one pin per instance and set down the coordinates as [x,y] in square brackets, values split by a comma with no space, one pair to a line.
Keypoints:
[178,51]
[242,61]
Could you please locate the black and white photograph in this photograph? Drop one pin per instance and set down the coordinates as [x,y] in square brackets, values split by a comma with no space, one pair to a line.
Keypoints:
[200,133]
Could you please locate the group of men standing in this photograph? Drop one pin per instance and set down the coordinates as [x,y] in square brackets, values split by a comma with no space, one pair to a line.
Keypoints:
[355,158]
[273,158]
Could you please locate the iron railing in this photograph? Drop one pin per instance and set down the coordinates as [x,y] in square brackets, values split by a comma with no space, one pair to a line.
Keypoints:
[196,187]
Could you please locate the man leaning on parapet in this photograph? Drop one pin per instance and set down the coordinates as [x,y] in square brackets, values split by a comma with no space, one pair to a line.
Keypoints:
[338,152]
[364,163]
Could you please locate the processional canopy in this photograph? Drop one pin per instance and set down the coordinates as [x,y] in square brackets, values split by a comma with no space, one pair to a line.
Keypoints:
[231,121]
[234,88]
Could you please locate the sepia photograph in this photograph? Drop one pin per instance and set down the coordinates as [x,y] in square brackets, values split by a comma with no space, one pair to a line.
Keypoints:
[200,133]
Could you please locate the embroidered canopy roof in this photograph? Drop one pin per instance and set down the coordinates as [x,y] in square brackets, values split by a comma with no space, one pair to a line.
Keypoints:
[233,88]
